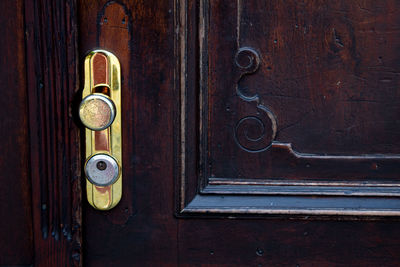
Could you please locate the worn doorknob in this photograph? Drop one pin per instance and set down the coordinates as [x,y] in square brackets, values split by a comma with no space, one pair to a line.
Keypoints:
[97,112]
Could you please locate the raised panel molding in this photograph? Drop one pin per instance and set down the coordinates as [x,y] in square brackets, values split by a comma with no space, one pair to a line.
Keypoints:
[233,157]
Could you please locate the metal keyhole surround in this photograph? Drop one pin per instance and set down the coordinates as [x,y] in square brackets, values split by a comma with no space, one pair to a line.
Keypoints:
[102,169]
[100,112]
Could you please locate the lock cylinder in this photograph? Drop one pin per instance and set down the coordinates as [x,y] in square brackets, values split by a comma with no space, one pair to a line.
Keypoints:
[102,170]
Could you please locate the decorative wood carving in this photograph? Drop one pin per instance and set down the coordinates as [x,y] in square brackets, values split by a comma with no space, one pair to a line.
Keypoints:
[52,72]
[255,132]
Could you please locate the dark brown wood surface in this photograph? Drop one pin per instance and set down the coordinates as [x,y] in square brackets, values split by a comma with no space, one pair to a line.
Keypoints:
[55,172]
[255,133]
[182,98]
[327,71]
[16,237]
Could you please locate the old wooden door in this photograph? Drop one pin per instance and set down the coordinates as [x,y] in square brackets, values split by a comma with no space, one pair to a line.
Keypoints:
[255,133]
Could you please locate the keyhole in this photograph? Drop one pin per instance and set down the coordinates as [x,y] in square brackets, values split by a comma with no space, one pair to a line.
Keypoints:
[101,165]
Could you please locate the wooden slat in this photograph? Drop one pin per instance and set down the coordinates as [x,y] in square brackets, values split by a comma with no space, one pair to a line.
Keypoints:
[52,73]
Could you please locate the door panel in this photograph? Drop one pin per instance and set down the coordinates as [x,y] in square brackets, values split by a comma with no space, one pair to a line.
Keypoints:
[296,109]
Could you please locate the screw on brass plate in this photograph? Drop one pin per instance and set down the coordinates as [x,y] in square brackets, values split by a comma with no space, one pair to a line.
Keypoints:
[101,165]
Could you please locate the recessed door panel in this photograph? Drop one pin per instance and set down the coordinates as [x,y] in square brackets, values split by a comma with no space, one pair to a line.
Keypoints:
[295,100]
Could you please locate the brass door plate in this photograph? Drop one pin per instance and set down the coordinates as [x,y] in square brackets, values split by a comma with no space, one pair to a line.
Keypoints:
[100,112]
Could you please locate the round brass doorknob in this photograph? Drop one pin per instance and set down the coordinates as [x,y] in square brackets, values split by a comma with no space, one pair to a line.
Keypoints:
[97,112]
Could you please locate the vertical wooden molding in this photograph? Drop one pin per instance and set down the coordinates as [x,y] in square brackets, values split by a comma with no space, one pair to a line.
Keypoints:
[52,75]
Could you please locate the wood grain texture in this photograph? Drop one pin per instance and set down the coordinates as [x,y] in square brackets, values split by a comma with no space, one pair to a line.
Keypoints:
[327,71]
[273,242]
[16,247]
[52,72]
